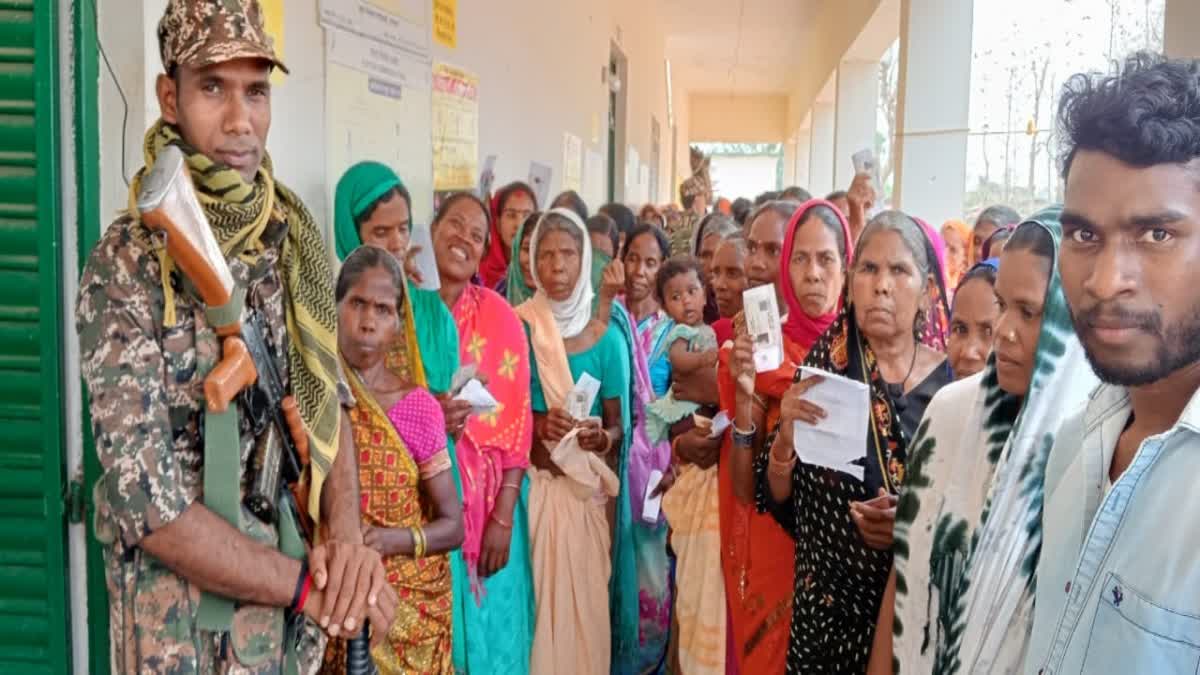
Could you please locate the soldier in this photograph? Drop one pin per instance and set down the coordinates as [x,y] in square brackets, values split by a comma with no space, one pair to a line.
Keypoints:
[147,346]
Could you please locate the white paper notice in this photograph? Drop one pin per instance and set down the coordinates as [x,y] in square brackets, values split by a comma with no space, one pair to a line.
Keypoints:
[425,259]
[840,438]
[478,396]
[763,324]
[652,505]
[582,397]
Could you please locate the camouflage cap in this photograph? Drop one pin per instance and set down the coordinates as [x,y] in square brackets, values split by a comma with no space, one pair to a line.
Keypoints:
[200,33]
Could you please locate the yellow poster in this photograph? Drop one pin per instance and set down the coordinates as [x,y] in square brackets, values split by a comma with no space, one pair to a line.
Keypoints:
[445,23]
[455,128]
[273,18]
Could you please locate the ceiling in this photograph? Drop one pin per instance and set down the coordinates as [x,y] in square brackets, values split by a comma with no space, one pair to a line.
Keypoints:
[736,46]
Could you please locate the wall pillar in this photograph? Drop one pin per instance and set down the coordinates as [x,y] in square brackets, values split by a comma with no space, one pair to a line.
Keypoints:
[857,107]
[821,149]
[932,107]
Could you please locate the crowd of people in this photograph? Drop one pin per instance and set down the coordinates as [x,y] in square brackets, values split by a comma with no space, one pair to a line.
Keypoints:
[633,499]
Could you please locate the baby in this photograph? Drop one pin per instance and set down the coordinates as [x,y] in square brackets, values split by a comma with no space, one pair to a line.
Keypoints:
[690,346]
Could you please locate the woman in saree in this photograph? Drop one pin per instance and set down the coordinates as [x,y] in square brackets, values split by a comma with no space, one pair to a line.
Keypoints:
[518,284]
[410,511]
[711,231]
[728,282]
[513,204]
[968,527]
[372,206]
[493,585]
[805,256]
[586,614]
[639,315]
[840,519]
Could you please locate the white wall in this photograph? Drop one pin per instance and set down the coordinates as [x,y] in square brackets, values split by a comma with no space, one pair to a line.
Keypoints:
[539,64]
[744,176]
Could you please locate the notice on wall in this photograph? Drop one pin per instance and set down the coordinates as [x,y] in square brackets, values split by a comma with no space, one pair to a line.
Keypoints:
[445,23]
[572,162]
[398,23]
[390,69]
[455,128]
[367,119]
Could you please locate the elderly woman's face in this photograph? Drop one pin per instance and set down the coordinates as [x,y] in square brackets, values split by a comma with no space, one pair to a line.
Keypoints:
[368,318]
[887,287]
[558,261]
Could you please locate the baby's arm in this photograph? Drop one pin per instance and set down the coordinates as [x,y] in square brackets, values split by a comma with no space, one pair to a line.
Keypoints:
[684,361]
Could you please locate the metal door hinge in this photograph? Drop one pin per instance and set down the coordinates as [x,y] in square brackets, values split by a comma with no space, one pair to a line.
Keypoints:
[73,502]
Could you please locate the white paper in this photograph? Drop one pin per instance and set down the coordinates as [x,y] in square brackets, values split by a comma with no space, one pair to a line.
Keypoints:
[425,260]
[382,62]
[478,396]
[715,426]
[652,505]
[465,373]
[582,397]
[539,180]
[398,23]
[840,438]
[719,424]
[487,176]
[764,327]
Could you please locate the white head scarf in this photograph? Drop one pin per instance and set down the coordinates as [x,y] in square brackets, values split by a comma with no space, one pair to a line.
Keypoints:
[573,314]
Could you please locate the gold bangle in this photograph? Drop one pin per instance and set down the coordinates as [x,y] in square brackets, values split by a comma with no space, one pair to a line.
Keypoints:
[500,522]
[418,535]
[514,486]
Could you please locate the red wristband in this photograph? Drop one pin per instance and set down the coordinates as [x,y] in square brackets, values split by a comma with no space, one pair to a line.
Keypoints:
[305,587]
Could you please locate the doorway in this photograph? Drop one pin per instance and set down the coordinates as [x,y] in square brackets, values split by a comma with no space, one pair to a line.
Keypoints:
[617,77]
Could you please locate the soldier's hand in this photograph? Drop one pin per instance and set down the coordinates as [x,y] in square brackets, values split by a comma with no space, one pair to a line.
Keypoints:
[351,579]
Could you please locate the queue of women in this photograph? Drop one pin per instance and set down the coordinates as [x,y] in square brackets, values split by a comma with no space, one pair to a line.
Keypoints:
[529,538]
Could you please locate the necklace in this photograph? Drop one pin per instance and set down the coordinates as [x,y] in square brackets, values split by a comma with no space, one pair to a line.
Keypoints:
[896,391]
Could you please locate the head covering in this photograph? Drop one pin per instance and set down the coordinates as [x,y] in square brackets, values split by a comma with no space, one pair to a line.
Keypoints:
[800,327]
[969,528]
[515,288]
[937,318]
[198,33]
[360,187]
[573,314]
[494,266]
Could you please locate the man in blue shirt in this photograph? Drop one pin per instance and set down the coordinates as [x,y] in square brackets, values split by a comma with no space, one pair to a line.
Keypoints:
[1118,583]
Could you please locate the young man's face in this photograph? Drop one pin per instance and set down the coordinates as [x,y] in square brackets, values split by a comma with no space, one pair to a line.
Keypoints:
[1130,265]
[222,110]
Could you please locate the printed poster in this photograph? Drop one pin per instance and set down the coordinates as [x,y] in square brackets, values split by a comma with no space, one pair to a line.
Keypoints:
[455,128]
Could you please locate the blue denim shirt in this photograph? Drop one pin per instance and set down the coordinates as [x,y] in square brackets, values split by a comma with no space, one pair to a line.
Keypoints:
[1118,583]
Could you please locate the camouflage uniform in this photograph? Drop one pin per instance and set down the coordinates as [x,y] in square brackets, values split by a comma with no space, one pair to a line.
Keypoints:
[146,387]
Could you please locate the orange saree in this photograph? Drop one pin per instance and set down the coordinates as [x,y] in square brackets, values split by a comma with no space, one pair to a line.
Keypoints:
[757,556]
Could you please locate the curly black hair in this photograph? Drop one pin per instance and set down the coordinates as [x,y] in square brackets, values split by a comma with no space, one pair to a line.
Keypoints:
[674,267]
[1147,114]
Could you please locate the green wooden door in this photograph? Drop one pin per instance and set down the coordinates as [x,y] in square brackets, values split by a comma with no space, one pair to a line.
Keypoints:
[34,630]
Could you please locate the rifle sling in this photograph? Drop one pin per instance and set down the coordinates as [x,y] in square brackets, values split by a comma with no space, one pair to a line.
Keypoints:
[222,495]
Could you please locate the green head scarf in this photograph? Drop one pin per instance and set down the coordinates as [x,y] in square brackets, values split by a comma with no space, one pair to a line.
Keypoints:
[437,335]
[517,290]
[360,187]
